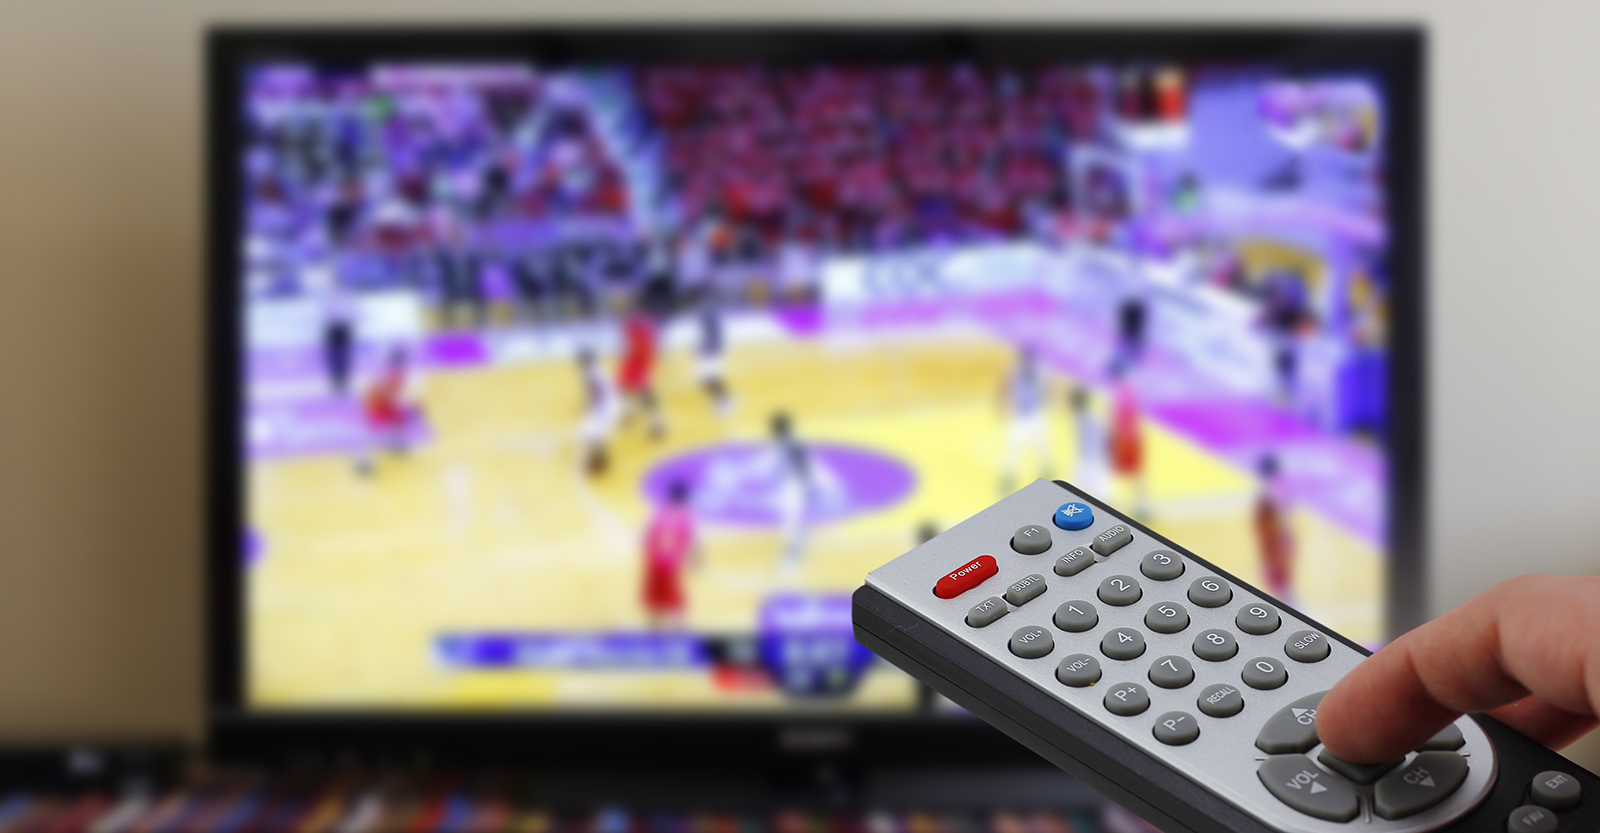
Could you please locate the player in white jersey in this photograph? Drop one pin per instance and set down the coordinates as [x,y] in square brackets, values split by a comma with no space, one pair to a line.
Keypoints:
[1023,397]
[1092,471]
[599,413]
[796,489]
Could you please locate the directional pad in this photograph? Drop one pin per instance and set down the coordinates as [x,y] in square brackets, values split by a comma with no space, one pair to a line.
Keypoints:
[1293,729]
[1429,779]
[1297,782]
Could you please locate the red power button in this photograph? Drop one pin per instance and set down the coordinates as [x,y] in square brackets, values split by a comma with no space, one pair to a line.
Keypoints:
[969,576]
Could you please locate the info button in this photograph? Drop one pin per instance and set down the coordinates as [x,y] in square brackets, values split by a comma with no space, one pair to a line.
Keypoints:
[966,577]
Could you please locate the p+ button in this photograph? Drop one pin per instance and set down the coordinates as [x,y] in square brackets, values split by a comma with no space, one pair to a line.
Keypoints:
[1074,516]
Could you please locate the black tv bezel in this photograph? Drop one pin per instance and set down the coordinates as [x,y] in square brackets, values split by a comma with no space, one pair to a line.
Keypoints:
[1393,54]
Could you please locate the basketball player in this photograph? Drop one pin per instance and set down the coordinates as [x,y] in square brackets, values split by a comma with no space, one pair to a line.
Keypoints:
[1127,440]
[599,413]
[669,546]
[389,407]
[1093,469]
[636,368]
[1022,396]
[709,363]
[795,489]
[1274,538]
[338,325]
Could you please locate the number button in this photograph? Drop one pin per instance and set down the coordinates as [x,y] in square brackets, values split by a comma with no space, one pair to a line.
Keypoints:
[1166,617]
[1120,591]
[1258,619]
[1215,645]
[1210,591]
[1076,616]
[1306,646]
[1161,565]
[1122,643]
[1172,672]
[1265,673]
[1127,699]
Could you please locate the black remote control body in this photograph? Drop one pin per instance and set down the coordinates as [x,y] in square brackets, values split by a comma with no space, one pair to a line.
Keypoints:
[1174,688]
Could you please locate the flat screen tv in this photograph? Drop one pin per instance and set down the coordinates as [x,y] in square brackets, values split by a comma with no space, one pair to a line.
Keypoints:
[564,382]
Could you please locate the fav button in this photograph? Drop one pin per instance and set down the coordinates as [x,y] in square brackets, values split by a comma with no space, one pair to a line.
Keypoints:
[1074,516]
[1531,819]
[965,578]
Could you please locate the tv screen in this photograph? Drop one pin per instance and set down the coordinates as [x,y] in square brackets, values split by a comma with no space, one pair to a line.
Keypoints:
[598,386]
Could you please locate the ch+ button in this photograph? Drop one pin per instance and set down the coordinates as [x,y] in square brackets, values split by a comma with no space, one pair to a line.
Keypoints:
[1074,516]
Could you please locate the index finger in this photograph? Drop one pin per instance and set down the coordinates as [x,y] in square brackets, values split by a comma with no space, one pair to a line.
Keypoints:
[1536,635]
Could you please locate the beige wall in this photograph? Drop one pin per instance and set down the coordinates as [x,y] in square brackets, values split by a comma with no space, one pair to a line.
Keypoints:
[99,251]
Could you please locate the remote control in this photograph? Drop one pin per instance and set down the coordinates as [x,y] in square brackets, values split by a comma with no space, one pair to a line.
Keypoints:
[1175,689]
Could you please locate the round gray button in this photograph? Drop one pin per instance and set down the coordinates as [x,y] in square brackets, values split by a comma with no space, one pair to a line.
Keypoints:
[1127,699]
[1078,670]
[1120,591]
[1031,539]
[1257,619]
[1172,672]
[1166,617]
[1162,565]
[1210,591]
[1556,790]
[1177,728]
[1032,642]
[1215,645]
[1264,673]
[1122,643]
[1531,819]
[1220,700]
[1076,616]
[1306,646]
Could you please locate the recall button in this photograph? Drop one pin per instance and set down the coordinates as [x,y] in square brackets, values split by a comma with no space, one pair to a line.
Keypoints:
[971,574]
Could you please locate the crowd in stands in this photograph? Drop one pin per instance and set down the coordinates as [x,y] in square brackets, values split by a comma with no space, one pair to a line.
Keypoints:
[867,157]
[413,177]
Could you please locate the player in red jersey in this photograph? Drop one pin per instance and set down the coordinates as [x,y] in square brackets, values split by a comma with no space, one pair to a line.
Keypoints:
[1273,535]
[1127,440]
[388,408]
[636,368]
[669,547]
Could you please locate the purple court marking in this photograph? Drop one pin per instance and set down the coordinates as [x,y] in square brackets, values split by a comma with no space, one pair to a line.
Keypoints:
[741,484]
[445,351]
[786,613]
[316,426]
[641,651]
[805,321]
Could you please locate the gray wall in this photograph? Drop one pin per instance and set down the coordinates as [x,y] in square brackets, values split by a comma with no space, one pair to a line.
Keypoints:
[99,250]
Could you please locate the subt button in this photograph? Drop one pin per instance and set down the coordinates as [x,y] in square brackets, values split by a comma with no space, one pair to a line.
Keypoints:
[966,577]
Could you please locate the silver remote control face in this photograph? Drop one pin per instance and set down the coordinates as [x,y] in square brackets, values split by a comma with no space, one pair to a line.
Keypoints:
[1196,670]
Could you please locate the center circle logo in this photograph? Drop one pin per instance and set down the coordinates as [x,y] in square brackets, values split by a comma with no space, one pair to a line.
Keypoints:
[747,484]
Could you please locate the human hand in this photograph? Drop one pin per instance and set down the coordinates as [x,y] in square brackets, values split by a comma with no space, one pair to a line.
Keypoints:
[1527,651]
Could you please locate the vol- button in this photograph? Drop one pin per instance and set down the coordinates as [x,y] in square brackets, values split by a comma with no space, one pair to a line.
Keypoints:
[968,576]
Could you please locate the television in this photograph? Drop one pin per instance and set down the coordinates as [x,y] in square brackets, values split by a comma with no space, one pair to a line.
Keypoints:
[564,381]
